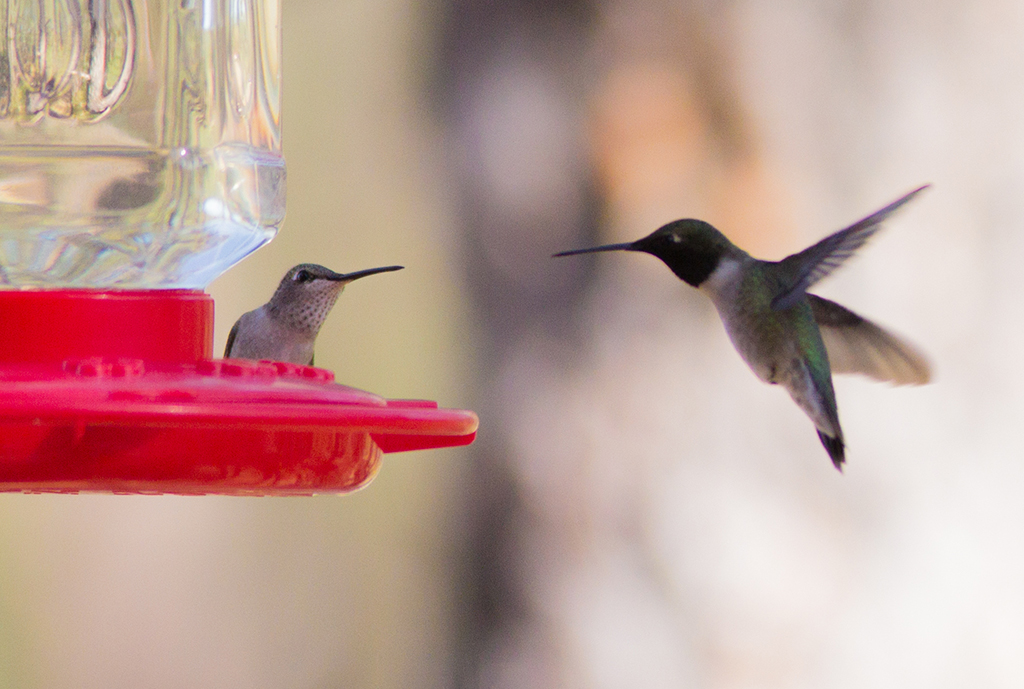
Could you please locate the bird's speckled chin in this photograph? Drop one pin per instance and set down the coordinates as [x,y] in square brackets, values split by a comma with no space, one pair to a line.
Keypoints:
[308,311]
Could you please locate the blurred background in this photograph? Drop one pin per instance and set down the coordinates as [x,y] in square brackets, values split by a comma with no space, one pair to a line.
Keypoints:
[639,510]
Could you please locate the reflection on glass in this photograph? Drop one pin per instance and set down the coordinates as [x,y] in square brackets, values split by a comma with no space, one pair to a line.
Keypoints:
[140,140]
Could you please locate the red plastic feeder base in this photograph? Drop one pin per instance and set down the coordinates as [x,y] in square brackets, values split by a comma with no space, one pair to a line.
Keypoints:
[116,391]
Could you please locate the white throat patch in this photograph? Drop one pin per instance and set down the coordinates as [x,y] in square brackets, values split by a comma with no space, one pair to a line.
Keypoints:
[724,279]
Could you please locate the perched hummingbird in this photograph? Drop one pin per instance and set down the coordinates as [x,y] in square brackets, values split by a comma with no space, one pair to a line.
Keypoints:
[285,328]
[787,336]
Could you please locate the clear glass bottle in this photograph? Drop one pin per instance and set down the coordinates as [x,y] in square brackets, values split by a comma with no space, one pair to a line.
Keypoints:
[140,140]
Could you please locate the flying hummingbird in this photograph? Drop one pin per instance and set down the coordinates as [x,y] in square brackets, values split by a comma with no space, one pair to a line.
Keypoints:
[285,328]
[787,336]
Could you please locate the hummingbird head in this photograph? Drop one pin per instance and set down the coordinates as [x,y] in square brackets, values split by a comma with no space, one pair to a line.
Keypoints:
[691,248]
[308,291]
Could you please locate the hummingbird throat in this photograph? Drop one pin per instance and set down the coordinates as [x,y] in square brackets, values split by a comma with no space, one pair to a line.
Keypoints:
[308,313]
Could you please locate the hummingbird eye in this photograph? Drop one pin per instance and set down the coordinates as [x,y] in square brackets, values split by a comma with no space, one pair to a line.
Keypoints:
[303,276]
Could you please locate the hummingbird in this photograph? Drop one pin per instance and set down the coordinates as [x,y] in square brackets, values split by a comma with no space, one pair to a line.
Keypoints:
[285,328]
[786,335]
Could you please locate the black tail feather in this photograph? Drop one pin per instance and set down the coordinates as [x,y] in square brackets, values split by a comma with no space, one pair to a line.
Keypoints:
[835,449]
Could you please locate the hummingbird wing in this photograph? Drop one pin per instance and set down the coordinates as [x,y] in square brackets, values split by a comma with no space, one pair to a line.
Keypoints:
[801,270]
[856,345]
[231,339]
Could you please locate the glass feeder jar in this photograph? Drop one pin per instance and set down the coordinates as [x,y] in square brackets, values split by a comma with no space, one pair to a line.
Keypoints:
[140,140]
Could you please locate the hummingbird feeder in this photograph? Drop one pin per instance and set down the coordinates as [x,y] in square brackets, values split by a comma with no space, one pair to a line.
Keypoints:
[140,157]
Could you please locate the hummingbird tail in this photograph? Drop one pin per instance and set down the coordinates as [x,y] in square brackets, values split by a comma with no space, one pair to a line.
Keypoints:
[836,449]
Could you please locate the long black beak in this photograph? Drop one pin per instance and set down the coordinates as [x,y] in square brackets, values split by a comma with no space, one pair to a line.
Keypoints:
[349,277]
[628,246]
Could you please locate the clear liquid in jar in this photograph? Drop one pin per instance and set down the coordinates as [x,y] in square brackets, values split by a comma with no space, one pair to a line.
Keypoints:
[140,141]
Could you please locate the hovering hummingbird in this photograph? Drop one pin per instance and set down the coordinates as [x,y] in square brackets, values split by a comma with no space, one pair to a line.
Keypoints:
[787,336]
[285,328]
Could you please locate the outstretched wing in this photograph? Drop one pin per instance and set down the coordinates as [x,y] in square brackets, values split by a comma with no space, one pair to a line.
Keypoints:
[856,345]
[803,269]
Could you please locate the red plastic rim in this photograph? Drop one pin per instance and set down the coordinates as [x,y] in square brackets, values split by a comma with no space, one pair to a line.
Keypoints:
[46,326]
[116,391]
